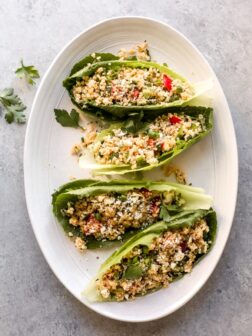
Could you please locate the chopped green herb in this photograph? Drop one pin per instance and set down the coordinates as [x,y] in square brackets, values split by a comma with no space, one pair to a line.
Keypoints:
[29,73]
[180,133]
[153,134]
[66,119]
[135,260]
[133,272]
[97,216]
[123,197]
[129,126]
[145,249]
[114,155]
[140,162]
[164,213]
[147,93]
[194,127]
[179,90]
[13,106]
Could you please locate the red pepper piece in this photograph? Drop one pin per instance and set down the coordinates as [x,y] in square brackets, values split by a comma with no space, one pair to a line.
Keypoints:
[136,93]
[167,81]
[155,206]
[92,224]
[151,142]
[174,120]
[115,89]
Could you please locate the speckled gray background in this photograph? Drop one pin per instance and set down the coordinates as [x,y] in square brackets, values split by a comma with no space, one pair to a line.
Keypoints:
[32,301]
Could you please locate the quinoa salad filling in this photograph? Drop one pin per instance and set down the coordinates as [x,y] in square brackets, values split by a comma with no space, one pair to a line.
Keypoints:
[109,216]
[146,269]
[122,147]
[127,86]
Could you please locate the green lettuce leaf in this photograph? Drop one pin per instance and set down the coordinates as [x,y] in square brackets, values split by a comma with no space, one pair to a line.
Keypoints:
[192,111]
[84,62]
[145,237]
[89,65]
[195,198]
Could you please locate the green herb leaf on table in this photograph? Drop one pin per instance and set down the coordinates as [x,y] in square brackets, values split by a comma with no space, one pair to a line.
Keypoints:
[13,105]
[66,119]
[29,73]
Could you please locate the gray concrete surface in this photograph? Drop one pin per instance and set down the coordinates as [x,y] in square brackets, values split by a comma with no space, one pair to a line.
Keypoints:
[32,301]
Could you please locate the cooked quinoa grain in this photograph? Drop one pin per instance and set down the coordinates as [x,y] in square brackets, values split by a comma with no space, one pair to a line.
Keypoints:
[147,269]
[80,244]
[141,52]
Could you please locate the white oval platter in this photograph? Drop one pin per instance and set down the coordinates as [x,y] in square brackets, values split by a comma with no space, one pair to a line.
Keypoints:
[211,164]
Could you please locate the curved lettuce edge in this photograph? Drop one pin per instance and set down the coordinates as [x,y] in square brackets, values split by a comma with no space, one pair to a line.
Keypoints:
[145,237]
[84,62]
[88,66]
[195,198]
[193,111]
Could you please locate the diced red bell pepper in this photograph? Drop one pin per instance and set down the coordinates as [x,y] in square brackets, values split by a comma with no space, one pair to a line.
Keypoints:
[136,93]
[92,224]
[174,120]
[151,142]
[91,219]
[155,207]
[167,81]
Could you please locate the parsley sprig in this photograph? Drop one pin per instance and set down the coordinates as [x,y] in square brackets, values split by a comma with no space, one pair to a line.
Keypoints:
[29,73]
[13,105]
[66,119]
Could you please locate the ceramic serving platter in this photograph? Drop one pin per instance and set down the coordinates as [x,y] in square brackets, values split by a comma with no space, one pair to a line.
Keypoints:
[211,163]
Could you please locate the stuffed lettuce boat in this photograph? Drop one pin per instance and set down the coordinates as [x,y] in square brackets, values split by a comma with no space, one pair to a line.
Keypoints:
[155,257]
[139,145]
[97,214]
[102,82]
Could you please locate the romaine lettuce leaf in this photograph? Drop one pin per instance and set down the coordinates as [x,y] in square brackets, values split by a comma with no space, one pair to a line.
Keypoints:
[89,65]
[194,198]
[145,237]
[192,111]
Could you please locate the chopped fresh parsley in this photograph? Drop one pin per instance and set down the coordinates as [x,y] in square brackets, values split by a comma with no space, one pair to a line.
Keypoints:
[153,134]
[133,272]
[164,213]
[13,105]
[29,73]
[66,119]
